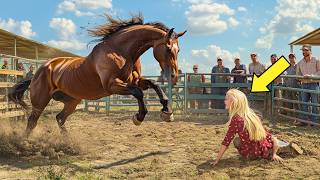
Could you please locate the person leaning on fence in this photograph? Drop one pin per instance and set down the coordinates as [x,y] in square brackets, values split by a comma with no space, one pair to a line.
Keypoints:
[239,69]
[30,74]
[5,64]
[254,140]
[218,104]
[256,67]
[277,82]
[20,68]
[3,77]
[308,67]
[197,79]
[291,83]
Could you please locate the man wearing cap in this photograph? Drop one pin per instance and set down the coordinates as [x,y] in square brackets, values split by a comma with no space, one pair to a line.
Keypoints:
[239,69]
[277,82]
[256,67]
[195,78]
[219,104]
[292,83]
[307,67]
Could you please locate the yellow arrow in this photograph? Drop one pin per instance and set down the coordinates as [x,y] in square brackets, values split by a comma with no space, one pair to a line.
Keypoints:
[260,83]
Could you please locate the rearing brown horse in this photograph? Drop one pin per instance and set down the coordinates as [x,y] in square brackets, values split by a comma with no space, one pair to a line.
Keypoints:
[113,67]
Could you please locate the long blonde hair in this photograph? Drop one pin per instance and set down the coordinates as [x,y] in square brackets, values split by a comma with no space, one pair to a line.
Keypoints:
[240,106]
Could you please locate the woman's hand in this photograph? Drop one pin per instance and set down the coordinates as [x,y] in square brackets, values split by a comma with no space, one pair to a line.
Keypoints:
[277,158]
[214,163]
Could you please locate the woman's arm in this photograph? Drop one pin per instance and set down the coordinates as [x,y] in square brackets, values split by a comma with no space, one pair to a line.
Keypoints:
[232,130]
[275,149]
[223,149]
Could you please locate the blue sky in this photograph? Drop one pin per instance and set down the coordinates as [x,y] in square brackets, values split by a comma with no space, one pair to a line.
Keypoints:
[225,28]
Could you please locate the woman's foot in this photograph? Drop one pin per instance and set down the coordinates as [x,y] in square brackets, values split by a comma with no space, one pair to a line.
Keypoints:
[296,148]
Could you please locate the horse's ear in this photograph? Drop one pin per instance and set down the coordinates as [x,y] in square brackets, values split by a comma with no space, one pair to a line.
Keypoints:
[181,33]
[169,34]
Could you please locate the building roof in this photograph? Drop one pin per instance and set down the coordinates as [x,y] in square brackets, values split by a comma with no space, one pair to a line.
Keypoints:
[27,48]
[312,38]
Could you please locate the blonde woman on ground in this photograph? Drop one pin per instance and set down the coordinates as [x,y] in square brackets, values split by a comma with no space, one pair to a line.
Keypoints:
[254,141]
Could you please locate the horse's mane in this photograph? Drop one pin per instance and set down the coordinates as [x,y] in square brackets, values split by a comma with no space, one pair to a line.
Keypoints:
[114,25]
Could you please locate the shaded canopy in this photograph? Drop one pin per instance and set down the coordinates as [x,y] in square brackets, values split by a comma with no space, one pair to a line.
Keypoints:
[27,48]
[312,38]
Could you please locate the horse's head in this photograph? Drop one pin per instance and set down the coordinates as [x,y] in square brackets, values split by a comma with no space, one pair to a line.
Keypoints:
[166,52]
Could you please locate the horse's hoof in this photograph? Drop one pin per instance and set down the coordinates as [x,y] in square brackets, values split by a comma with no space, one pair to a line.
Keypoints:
[136,121]
[167,117]
[63,131]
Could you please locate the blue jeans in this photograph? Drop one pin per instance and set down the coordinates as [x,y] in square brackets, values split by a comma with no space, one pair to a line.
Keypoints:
[305,97]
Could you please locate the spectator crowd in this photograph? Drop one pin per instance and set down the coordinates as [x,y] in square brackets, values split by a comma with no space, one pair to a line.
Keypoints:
[306,68]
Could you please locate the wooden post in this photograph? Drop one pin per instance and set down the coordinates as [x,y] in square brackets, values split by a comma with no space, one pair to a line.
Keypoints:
[36,52]
[107,100]
[170,88]
[185,93]
[273,122]
[86,105]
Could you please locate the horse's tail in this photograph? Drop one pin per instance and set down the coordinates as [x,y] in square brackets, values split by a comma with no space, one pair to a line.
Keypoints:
[16,92]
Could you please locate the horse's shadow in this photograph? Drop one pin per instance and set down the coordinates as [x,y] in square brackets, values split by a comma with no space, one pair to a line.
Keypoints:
[129,160]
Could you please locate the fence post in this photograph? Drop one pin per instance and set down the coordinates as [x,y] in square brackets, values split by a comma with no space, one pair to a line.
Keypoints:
[85,105]
[170,89]
[272,106]
[107,105]
[185,92]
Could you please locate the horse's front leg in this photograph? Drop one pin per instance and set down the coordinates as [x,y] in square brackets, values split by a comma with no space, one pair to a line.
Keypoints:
[166,111]
[119,87]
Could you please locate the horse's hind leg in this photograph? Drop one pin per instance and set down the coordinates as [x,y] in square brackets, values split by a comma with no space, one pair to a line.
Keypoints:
[69,107]
[37,109]
[40,97]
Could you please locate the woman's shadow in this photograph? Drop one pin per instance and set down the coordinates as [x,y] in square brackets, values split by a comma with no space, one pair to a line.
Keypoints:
[230,163]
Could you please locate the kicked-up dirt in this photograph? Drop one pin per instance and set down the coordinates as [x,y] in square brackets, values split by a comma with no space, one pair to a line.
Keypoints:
[111,147]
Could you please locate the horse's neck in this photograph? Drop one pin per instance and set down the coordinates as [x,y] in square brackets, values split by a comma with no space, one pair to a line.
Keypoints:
[137,40]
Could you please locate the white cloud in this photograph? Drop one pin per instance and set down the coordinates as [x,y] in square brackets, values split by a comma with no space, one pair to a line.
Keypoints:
[242,9]
[186,65]
[293,38]
[241,49]
[265,41]
[206,58]
[67,44]
[65,27]
[205,17]
[306,28]
[223,53]
[66,30]
[94,4]
[233,22]
[23,28]
[293,17]
[77,7]
[200,53]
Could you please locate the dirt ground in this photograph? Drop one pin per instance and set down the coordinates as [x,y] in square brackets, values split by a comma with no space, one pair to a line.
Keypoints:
[111,147]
